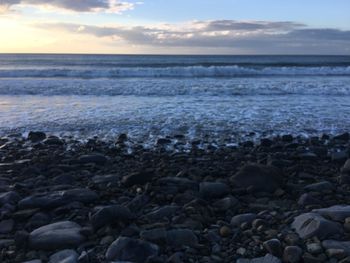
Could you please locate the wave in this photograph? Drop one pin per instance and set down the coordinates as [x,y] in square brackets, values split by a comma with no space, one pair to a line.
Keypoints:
[160,87]
[173,72]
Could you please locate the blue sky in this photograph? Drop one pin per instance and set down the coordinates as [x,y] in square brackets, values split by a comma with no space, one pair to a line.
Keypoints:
[181,26]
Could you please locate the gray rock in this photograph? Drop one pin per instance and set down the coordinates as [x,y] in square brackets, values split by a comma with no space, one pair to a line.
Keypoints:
[58,235]
[181,237]
[336,213]
[259,177]
[106,179]
[307,199]
[9,198]
[320,187]
[243,218]
[267,259]
[93,158]
[314,225]
[64,256]
[292,254]
[133,250]
[314,248]
[57,199]
[111,214]
[213,190]
[334,244]
[33,261]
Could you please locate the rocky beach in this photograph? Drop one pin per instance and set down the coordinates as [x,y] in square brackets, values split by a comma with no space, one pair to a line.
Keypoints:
[279,199]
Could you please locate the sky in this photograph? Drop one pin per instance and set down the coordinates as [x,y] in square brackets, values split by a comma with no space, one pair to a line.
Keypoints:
[175,26]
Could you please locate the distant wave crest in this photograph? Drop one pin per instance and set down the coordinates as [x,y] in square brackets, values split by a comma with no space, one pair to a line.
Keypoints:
[173,72]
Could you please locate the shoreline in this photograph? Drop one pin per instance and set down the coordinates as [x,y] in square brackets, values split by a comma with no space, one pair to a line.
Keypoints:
[283,198]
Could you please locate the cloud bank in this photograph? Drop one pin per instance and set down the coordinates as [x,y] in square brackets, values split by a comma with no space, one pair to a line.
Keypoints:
[109,6]
[224,36]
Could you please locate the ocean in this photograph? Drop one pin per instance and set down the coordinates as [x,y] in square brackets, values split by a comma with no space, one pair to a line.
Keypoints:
[225,98]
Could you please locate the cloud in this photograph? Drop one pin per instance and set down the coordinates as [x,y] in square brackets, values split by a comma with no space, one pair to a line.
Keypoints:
[109,6]
[224,35]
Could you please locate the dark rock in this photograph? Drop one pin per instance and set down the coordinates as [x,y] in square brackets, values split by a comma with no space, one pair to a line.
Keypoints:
[334,244]
[266,142]
[340,157]
[58,235]
[243,218]
[260,177]
[346,168]
[111,215]
[336,213]
[36,136]
[134,250]
[213,190]
[342,137]
[307,200]
[313,225]
[53,140]
[274,247]
[181,237]
[106,179]
[6,226]
[9,198]
[225,204]
[320,187]
[137,204]
[98,159]
[287,138]
[292,254]
[64,256]
[163,212]
[139,178]
[157,235]
[182,184]
[267,259]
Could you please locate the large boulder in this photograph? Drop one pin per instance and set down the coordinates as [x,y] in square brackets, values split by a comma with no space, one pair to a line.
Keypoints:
[336,213]
[265,178]
[58,235]
[314,225]
[133,250]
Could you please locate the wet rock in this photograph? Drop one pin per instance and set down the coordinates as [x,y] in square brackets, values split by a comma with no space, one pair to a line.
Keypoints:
[134,250]
[336,213]
[346,168]
[292,254]
[340,157]
[259,177]
[181,237]
[225,204]
[314,248]
[111,215]
[213,190]
[313,225]
[139,178]
[98,159]
[138,203]
[53,140]
[274,247]
[243,218]
[182,184]
[320,187]
[58,235]
[64,256]
[342,137]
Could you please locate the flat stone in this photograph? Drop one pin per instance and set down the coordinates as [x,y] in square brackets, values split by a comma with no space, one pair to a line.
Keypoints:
[336,213]
[111,214]
[157,235]
[292,254]
[139,178]
[64,256]
[263,178]
[213,190]
[33,261]
[133,250]
[314,225]
[106,179]
[314,248]
[225,204]
[307,200]
[163,212]
[243,218]
[181,183]
[60,235]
